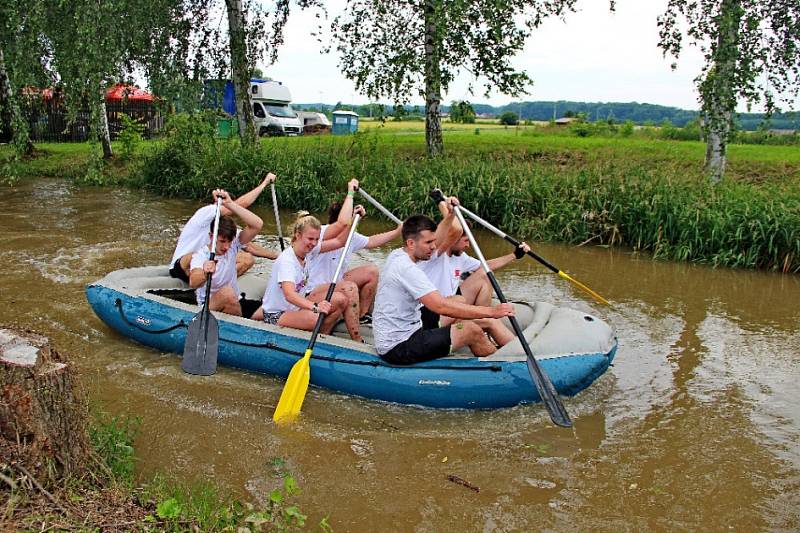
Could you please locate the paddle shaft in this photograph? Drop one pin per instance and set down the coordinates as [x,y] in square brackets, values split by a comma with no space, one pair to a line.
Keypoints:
[211,258]
[500,233]
[558,414]
[332,286]
[277,215]
[388,214]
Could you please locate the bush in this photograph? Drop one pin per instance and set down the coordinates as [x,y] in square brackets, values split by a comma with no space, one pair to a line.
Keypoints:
[509,118]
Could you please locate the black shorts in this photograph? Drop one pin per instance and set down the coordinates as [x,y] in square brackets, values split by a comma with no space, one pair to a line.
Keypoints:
[177,272]
[422,345]
[430,320]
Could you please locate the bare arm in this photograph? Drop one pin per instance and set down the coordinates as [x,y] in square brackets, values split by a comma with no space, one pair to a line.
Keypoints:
[503,260]
[293,297]
[247,199]
[252,221]
[453,308]
[345,214]
[380,239]
[449,229]
[259,251]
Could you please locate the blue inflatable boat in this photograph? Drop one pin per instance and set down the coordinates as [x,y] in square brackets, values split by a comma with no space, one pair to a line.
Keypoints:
[572,347]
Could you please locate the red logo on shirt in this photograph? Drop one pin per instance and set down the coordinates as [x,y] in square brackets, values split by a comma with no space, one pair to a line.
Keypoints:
[458,273]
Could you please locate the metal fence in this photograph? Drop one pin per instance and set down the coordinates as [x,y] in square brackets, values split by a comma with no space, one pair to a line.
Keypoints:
[49,121]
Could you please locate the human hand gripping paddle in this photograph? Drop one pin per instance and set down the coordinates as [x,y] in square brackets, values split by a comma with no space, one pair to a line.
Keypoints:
[558,414]
[277,215]
[531,253]
[202,335]
[294,391]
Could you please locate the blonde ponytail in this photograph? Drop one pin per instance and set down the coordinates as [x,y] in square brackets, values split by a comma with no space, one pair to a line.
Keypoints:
[303,220]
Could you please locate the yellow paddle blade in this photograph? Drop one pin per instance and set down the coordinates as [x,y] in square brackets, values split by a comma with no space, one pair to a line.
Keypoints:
[583,287]
[294,391]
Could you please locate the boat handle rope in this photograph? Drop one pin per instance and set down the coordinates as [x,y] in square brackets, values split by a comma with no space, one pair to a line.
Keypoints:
[271,346]
[118,303]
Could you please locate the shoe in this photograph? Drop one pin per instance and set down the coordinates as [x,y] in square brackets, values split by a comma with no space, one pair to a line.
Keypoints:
[366,319]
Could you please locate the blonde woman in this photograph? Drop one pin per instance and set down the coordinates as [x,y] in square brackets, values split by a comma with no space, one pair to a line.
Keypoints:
[286,302]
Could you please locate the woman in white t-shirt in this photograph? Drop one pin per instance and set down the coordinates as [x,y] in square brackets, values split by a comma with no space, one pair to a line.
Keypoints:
[285,302]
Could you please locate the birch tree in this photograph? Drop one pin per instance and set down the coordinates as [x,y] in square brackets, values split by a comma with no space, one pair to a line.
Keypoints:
[752,54]
[404,48]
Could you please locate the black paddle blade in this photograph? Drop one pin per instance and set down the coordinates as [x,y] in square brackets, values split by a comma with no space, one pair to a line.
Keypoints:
[202,344]
[556,410]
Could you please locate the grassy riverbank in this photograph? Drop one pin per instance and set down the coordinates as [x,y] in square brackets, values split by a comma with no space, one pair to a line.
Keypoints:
[107,497]
[646,194]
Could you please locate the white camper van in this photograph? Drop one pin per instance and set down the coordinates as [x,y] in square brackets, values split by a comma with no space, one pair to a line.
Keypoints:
[272,109]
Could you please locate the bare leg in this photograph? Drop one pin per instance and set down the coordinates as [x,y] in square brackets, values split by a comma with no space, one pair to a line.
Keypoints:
[477,290]
[470,334]
[186,261]
[366,278]
[244,262]
[348,291]
[339,302]
[225,300]
[496,329]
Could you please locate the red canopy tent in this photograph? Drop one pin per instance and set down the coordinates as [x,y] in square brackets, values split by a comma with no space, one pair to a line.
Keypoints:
[120,91]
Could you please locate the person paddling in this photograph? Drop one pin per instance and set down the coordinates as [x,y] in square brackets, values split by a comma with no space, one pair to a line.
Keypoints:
[450,264]
[286,300]
[193,236]
[224,288]
[397,326]
[364,277]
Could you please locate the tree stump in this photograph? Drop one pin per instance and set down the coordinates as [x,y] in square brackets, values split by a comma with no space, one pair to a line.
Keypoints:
[42,420]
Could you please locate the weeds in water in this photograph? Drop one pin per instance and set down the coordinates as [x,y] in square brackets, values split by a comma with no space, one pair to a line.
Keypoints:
[650,197]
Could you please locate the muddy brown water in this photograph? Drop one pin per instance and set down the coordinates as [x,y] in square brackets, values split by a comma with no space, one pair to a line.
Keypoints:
[696,426]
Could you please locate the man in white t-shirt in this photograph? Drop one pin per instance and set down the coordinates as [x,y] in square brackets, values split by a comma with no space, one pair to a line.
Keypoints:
[397,326]
[365,277]
[224,289]
[450,265]
[194,236]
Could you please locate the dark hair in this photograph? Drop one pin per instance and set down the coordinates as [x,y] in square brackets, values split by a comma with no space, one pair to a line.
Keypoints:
[333,212]
[414,225]
[227,228]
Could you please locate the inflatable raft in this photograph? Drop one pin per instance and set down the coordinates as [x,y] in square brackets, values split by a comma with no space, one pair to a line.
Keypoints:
[572,347]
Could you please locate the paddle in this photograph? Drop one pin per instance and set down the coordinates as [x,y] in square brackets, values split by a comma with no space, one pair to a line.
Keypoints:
[379,207]
[294,391]
[202,335]
[558,414]
[277,215]
[531,253]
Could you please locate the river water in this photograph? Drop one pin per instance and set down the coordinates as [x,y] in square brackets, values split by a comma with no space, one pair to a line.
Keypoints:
[696,426]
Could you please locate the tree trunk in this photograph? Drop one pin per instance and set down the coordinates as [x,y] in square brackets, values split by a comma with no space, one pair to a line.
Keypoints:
[433,79]
[42,421]
[12,122]
[717,90]
[103,133]
[240,72]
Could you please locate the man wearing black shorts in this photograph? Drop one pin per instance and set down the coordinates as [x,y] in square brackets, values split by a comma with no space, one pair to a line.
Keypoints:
[399,336]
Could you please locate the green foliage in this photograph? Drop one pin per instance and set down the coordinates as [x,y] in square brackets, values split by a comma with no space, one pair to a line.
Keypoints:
[509,118]
[130,137]
[112,438]
[201,507]
[462,112]
[644,196]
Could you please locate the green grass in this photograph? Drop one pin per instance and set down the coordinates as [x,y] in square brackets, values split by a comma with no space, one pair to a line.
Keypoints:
[537,183]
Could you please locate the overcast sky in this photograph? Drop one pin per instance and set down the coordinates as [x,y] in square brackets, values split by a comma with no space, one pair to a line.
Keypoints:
[593,56]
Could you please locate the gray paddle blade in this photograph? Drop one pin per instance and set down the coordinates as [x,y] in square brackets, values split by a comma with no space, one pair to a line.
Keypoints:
[202,344]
